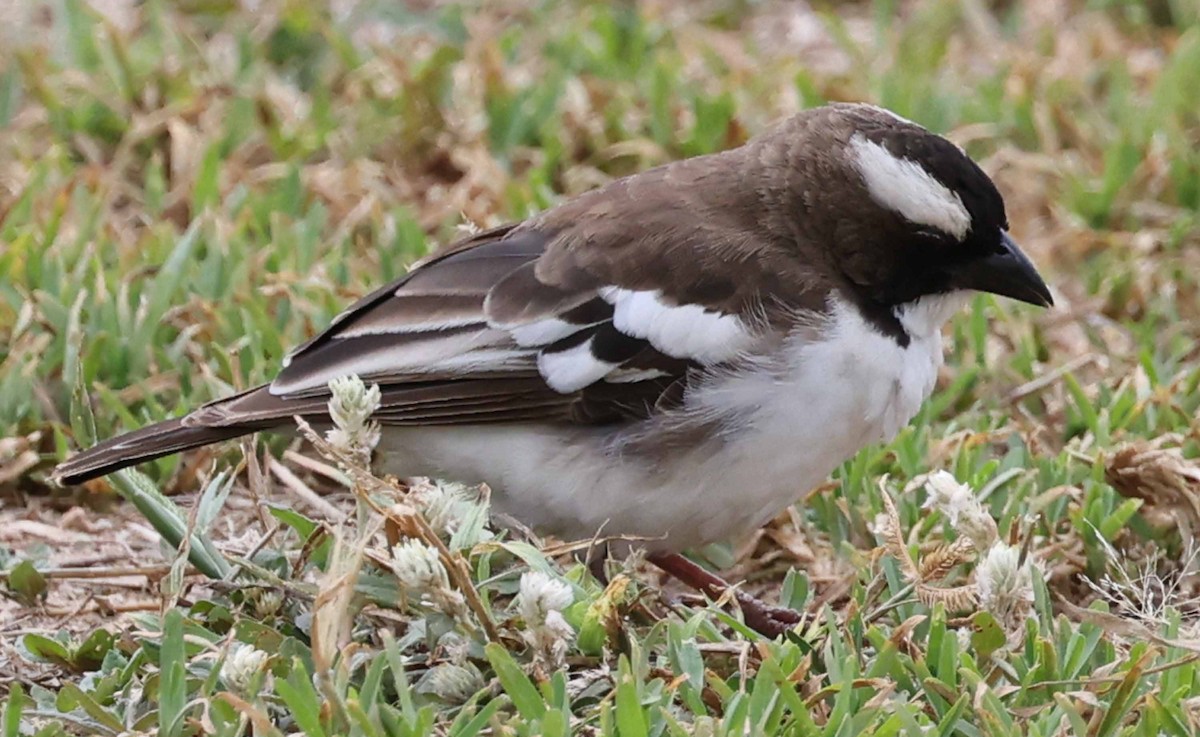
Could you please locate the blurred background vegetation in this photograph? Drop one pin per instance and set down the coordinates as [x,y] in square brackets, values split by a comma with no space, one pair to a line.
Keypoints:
[189,188]
[309,151]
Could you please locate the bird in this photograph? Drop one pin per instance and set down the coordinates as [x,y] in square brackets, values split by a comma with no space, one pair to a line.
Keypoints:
[672,358]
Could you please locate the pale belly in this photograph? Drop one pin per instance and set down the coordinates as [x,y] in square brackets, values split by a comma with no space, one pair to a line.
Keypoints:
[796,424]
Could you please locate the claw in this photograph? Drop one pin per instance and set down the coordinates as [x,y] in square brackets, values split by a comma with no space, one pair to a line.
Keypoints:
[759,616]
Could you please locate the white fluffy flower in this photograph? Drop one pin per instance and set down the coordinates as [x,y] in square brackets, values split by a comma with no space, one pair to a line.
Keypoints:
[962,508]
[540,594]
[551,639]
[241,665]
[351,405]
[948,496]
[1005,584]
[425,579]
[963,635]
[541,600]
[418,566]
[444,505]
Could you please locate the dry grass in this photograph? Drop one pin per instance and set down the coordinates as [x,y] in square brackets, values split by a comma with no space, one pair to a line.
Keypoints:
[309,155]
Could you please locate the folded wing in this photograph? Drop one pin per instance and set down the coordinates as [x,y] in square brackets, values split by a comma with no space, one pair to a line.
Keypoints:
[601,310]
[477,335]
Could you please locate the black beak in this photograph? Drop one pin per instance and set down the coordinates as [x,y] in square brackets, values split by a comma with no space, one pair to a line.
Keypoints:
[1007,272]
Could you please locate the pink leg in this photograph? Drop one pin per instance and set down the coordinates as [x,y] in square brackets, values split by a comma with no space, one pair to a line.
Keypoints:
[767,620]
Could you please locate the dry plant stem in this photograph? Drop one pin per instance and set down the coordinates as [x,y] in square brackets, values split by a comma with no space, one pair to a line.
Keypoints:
[1048,378]
[457,569]
[332,621]
[173,584]
[765,619]
[298,487]
[156,571]
[412,523]
[901,597]
[305,592]
[317,467]
[1181,662]
[256,479]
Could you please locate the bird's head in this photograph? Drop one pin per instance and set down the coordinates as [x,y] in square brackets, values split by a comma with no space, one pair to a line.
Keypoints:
[905,214]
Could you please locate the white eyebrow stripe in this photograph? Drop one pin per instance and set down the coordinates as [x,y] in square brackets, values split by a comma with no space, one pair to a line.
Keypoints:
[907,188]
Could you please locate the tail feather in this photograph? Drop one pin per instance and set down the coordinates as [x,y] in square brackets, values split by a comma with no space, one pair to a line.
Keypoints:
[434,402]
[157,440]
[176,435]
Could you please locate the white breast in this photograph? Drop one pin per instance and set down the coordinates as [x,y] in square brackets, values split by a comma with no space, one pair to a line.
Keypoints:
[812,406]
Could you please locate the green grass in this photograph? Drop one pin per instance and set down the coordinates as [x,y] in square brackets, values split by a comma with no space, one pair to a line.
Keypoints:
[184,198]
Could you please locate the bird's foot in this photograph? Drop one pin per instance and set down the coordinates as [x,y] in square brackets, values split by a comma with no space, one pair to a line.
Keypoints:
[765,619]
[758,615]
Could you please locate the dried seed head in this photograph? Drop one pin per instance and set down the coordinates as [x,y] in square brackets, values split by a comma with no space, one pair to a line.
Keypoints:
[961,507]
[1005,584]
[1168,483]
[954,598]
[455,683]
[937,565]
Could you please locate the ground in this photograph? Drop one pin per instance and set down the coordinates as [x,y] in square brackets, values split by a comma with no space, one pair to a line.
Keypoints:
[189,189]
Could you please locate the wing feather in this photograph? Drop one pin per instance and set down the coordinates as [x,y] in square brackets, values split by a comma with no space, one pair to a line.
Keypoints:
[516,304]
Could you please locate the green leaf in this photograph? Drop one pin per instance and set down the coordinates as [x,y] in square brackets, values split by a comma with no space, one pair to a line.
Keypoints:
[987,636]
[1090,417]
[303,526]
[10,723]
[395,659]
[27,583]
[90,653]
[515,683]
[948,724]
[166,287]
[206,190]
[631,722]
[172,659]
[48,650]
[166,518]
[212,500]
[475,724]
[106,718]
[1114,522]
[302,699]
[1078,723]
[600,614]
[1123,698]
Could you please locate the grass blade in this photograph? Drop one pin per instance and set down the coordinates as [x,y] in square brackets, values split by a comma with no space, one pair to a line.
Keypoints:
[172,697]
